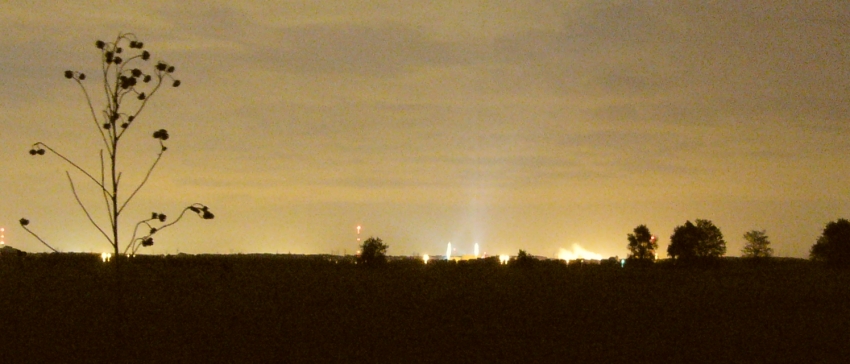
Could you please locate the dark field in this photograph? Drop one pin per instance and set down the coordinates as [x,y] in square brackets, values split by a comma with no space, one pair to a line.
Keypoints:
[60,308]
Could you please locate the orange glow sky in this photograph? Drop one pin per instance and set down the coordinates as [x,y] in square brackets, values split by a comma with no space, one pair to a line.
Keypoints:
[515,124]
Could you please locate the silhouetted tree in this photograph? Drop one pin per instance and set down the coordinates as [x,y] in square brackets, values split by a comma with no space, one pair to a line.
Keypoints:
[523,259]
[642,244]
[833,246]
[758,245]
[373,252]
[690,242]
[129,83]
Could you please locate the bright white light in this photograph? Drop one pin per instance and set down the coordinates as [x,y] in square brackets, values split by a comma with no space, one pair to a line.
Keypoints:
[106,257]
[449,251]
[578,253]
[503,259]
[476,250]
[425,258]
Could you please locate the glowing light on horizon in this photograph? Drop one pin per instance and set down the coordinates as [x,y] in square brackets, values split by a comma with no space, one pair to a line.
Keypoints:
[449,251]
[503,259]
[105,257]
[2,236]
[426,258]
[476,250]
[578,253]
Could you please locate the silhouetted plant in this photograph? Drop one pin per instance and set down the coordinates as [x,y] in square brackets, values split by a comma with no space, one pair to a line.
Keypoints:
[691,242]
[758,245]
[833,246]
[523,259]
[642,244]
[373,251]
[129,83]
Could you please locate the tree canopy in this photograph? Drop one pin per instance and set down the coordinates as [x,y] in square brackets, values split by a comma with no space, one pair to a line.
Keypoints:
[373,251]
[833,246]
[696,241]
[758,245]
[642,244]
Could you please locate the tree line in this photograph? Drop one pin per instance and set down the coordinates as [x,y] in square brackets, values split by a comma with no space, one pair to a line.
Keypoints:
[702,240]
[691,242]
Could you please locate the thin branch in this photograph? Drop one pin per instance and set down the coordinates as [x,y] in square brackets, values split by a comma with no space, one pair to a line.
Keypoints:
[93,115]
[86,211]
[195,207]
[145,101]
[133,238]
[40,144]
[175,220]
[145,180]
[105,194]
[39,239]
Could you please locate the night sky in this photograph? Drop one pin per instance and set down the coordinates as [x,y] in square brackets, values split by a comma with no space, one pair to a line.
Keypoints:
[515,124]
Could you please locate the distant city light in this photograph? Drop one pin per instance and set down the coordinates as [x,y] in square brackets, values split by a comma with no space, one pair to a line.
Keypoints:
[503,259]
[425,258]
[105,257]
[578,253]
[449,251]
[476,250]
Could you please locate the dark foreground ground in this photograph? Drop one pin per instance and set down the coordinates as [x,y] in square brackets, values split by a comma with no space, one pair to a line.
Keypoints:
[56,309]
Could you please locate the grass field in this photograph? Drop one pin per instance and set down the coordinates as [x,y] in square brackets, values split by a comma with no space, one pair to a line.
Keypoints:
[246,308]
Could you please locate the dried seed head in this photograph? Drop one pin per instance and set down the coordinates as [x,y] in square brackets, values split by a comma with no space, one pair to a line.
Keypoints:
[99,44]
[176,83]
[24,222]
[69,74]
